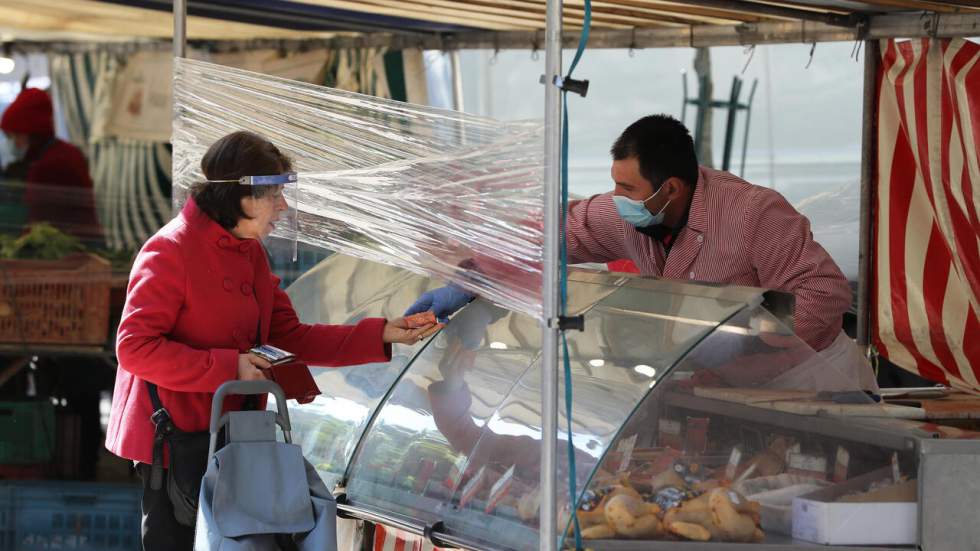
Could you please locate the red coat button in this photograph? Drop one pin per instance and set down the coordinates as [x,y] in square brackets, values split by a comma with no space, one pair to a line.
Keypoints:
[246,289]
[228,284]
[223,241]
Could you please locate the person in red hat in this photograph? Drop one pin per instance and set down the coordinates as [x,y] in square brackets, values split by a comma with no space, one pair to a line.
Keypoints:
[58,188]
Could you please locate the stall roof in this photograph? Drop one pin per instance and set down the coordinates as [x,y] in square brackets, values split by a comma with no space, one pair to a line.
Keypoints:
[497,23]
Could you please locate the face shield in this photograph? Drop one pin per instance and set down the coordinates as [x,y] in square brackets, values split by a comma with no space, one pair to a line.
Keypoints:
[271,212]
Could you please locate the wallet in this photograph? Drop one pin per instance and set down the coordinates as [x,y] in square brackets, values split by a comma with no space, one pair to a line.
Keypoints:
[296,381]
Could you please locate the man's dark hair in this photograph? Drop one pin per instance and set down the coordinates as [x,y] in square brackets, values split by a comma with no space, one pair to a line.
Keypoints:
[231,157]
[663,147]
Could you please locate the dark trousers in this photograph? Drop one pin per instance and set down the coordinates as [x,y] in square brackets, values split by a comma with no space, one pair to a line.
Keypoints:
[161,531]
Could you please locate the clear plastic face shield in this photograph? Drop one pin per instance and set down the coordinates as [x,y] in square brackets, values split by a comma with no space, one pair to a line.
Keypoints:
[271,212]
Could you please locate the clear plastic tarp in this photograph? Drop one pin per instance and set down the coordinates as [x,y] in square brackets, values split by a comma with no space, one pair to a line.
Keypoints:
[437,192]
[329,428]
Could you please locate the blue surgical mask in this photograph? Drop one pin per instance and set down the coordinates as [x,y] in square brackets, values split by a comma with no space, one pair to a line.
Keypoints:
[636,213]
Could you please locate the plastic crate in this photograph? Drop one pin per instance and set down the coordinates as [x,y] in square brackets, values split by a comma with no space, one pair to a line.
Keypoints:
[55,301]
[27,431]
[6,518]
[82,516]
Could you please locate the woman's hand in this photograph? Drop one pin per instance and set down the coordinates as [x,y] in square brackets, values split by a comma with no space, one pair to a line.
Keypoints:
[250,367]
[402,331]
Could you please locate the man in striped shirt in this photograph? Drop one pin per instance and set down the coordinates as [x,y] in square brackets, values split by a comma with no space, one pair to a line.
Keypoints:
[677,220]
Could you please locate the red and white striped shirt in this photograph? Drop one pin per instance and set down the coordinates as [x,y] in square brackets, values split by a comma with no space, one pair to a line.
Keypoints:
[736,233]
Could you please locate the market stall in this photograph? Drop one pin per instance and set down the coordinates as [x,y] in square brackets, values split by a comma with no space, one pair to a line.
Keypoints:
[697,416]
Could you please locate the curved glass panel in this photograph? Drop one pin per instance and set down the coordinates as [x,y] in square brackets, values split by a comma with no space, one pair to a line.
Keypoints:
[748,419]
[458,438]
[343,290]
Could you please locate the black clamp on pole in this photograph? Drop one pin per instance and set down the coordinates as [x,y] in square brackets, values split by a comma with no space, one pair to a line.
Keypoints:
[571,323]
[568,84]
[341,499]
[429,533]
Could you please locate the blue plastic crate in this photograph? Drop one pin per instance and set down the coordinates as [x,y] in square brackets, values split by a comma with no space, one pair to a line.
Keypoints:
[43,515]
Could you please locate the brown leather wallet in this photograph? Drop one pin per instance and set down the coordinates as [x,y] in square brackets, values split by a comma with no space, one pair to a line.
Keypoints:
[296,381]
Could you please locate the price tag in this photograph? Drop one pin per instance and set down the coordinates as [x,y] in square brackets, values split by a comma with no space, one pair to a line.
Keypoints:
[840,465]
[472,487]
[733,460]
[455,470]
[499,489]
[626,448]
[696,436]
[670,434]
[808,465]
[795,448]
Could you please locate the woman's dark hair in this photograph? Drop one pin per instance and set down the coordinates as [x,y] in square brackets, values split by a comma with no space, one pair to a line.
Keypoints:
[233,156]
[663,147]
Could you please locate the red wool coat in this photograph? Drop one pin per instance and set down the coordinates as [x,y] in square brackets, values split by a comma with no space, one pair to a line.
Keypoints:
[196,296]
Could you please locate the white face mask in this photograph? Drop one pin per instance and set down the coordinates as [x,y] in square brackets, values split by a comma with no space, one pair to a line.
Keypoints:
[12,153]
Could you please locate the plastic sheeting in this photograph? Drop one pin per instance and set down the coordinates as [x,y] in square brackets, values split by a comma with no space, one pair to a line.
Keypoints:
[437,192]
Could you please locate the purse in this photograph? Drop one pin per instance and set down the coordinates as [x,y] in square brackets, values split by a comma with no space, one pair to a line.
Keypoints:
[188,461]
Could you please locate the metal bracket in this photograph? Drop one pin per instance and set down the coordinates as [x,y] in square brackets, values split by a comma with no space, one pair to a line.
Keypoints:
[580,87]
[429,534]
[569,323]
[341,499]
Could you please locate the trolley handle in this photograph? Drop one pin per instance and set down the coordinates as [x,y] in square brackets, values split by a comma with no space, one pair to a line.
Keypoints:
[244,388]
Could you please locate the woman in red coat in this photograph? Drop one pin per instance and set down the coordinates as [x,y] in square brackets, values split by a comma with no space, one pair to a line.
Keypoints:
[200,295]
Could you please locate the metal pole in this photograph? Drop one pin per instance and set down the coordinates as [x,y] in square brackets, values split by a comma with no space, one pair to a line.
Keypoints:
[457,80]
[726,158]
[548,538]
[868,160]
[748,121]
[180,28]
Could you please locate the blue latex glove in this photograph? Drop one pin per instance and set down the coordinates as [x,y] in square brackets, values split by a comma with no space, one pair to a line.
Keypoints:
[443,302]
[470,326]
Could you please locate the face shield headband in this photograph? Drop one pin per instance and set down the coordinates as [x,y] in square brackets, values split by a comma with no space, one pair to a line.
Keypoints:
[275,196]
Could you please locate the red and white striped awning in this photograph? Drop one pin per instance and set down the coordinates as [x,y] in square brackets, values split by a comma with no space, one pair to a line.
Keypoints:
[392,539]
[927,231]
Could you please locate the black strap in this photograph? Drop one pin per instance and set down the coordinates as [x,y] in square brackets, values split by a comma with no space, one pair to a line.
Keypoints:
[163,426]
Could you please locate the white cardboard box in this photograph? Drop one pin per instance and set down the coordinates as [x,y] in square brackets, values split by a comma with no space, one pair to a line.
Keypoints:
[818,518]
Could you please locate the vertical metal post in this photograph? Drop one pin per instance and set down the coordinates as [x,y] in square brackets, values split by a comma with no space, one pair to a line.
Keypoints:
[180,28]
[748,121]
[726,157]
[548,538]
[180,50]
[457,80]
[869,157]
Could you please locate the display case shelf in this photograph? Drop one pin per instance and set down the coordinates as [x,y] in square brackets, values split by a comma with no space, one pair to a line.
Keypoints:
[849,429]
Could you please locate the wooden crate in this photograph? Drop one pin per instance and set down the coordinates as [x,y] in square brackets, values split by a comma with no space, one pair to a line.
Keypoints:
[63,302]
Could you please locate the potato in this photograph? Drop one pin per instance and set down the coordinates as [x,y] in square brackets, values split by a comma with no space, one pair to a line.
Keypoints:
[632,517]
[689,530]
[667,478]
[598,532]
[735,526]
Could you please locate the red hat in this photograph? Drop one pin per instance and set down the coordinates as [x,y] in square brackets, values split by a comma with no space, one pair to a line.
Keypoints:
[30,113]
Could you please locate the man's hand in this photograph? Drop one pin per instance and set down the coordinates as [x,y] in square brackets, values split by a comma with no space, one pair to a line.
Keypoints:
[250,367]
[443,301]
[403,331]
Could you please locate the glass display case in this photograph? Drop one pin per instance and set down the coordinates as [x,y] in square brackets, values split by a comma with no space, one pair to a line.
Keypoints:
[697,416]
